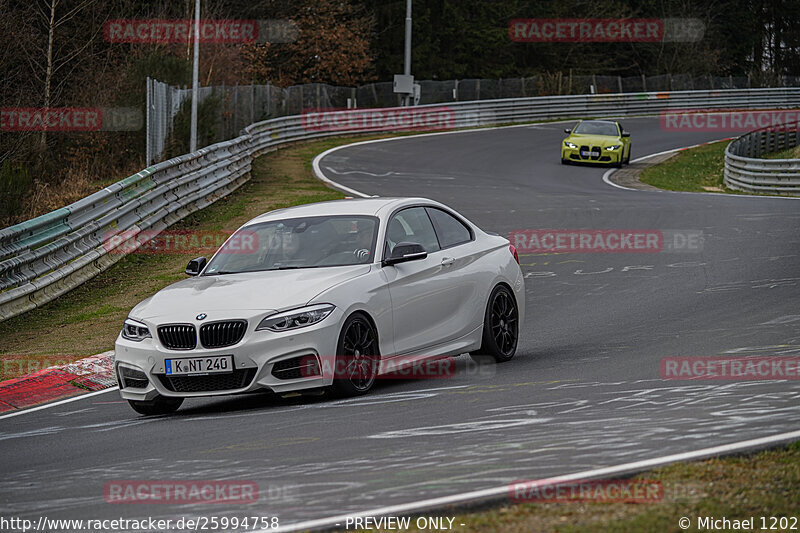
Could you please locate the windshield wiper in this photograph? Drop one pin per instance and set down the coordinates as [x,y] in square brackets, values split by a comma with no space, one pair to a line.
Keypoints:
[260,270]
[292,267]
[217,273]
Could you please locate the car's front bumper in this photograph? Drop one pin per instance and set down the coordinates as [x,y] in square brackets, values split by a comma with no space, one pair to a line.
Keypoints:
[584,155]
[254,359]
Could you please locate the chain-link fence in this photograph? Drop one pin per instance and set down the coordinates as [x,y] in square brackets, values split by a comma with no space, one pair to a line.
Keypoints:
[225,110]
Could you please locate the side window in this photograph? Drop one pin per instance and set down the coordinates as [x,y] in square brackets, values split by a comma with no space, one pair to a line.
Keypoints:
[411,225]
[450,230]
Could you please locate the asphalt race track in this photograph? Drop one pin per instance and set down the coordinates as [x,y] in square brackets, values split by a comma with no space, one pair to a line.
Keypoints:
[584,391]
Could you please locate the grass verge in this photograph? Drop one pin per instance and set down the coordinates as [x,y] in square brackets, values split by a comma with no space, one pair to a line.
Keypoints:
[86,320]
[765,484]
[699,169]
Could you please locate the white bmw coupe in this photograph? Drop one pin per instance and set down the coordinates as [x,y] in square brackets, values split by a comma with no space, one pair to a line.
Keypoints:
[323,296]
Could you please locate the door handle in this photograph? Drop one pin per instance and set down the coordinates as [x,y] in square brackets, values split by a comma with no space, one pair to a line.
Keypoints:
[447,261]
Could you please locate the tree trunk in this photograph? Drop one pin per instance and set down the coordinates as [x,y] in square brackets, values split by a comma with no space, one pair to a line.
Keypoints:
[49,74]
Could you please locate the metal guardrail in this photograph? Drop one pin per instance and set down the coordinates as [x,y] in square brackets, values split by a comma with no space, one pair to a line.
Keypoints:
[47,256]
[746,171]
[237,106]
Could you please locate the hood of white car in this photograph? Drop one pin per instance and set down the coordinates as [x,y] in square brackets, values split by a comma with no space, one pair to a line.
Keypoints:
[252,291]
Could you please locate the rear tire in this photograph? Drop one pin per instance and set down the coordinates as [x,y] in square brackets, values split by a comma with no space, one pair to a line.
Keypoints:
[160,405]
[357,357]
[500,327]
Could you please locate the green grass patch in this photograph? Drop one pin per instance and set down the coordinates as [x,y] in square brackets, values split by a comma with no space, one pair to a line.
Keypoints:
[86,320]
[699,169]
[764,484]
[103,310]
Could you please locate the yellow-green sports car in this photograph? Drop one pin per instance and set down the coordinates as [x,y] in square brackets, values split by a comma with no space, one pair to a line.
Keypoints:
[597,142]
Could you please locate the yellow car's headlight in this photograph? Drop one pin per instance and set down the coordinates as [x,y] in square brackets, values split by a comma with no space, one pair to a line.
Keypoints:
[570,145]
[615,147]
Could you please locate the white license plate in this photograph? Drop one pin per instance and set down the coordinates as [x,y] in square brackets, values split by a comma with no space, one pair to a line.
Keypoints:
[215,364]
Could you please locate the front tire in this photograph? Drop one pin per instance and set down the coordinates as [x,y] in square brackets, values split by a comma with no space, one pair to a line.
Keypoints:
[357,357]
[160,405]
[500,327]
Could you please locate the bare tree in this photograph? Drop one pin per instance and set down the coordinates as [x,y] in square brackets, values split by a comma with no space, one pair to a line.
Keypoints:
[59,54]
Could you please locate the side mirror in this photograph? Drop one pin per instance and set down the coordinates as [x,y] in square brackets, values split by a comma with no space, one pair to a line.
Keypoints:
[196,266]
[405,251]
[626,133]
[567,131]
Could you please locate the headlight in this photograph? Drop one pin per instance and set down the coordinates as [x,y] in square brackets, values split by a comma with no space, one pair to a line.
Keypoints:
[134,331]
[297,318]
[570,145]
[615,147]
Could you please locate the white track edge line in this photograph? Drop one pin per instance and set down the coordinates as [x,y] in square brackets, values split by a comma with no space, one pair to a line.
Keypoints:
[60,402]
[587,474]
[315,163]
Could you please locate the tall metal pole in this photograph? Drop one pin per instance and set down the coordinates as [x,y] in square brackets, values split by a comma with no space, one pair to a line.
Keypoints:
[195,77]
[407,64]
[148,150]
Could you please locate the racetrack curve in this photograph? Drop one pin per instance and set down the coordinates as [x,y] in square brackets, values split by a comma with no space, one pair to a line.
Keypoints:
[583,392]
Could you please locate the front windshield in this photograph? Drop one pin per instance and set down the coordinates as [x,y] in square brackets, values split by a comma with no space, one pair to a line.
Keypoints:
[596,128]
[309,242]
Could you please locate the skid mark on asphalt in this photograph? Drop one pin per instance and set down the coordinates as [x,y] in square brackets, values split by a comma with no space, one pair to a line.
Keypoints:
[99,427]
[261,445]
[77,411]
[466,427]
[404,175]
[752,284]
[774,349]
[785,319]
[375,399]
